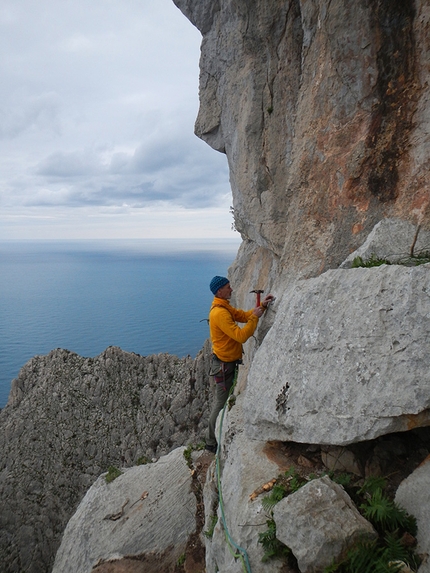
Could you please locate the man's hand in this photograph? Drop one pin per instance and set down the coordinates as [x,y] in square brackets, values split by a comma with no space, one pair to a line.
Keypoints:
[258,311]
[267,300]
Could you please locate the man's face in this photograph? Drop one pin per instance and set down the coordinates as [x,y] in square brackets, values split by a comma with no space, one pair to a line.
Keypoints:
[225,292]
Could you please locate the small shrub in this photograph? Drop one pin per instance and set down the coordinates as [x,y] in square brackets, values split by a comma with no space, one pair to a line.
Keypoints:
[210,532]
[189,450]
[187,455]
[374,261]
[112,474]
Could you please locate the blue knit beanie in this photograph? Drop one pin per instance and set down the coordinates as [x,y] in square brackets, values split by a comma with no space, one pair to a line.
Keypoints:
[217,283]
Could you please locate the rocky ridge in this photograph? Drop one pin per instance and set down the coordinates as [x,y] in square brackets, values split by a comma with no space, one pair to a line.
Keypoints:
[68,419]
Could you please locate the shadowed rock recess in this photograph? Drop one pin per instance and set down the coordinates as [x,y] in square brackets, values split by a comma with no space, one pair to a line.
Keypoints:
[322,109]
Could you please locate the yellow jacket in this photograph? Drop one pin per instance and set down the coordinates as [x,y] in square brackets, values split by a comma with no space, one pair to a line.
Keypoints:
[226,336]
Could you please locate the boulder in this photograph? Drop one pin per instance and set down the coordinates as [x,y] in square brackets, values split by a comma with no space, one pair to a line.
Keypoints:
[135,515]
[319,523]
[346,359]
[342,459]
[413,496]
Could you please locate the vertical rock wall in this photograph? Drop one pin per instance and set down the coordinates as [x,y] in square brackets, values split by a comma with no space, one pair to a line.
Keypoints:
[322,109]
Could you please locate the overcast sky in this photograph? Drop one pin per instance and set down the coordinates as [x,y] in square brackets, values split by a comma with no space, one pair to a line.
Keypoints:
[97,107]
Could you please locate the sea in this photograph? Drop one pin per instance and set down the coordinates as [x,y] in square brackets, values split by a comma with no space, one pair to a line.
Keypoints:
[146,296]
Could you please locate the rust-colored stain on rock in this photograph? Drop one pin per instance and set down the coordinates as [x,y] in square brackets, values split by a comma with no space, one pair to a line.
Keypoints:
[357,228]
[418,420]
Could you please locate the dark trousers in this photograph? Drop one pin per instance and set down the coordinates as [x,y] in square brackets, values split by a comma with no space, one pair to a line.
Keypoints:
[223,381]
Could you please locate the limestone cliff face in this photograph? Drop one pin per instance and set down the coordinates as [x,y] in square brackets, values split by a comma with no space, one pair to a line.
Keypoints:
[323,111]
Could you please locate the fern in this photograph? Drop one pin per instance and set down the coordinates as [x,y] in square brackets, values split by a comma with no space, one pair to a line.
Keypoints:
[394,550]
[386,515]
[421,258]
[278,492]
[363,558]
[370,557]
[342,479]
[296,481]
[388,553]
[384,566]
[372,484]
[273,548]
[333,568]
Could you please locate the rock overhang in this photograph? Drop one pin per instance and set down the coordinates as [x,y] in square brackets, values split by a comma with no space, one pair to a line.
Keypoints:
[346,359]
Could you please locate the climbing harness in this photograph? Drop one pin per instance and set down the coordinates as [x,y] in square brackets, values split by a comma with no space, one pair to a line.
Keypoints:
[235,549]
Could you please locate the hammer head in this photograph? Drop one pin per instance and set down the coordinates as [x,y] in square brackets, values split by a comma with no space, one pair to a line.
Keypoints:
[257,292]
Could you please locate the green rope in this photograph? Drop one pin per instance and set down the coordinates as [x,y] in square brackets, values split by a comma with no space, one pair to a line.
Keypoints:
[235,550]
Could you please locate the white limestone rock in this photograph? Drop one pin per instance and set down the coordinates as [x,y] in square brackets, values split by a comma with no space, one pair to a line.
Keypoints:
[391,239]
[244,468]
[413,496]
[319,523]
[158,516]
[346,359]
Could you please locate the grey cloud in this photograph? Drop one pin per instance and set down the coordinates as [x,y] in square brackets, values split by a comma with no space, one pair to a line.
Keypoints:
[97,107]
[120,162]
[40,112]
[182,172]
[155,157]
[67,165]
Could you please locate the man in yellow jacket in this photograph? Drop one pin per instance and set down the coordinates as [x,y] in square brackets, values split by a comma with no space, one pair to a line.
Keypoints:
[227,339]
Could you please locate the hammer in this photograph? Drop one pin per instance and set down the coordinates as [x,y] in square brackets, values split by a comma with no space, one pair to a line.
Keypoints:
[258,293]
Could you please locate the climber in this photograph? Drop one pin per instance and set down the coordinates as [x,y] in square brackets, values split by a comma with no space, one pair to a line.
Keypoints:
[227,339]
